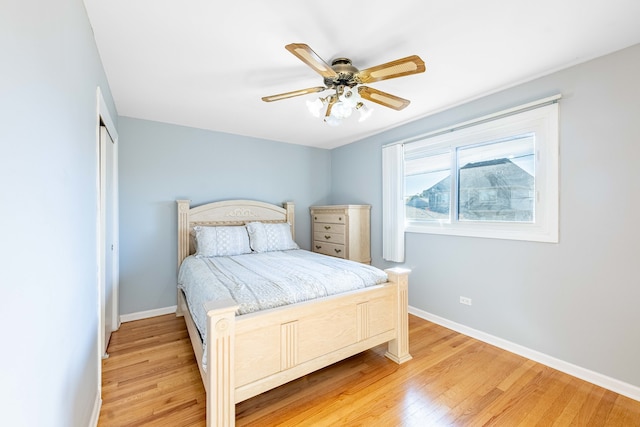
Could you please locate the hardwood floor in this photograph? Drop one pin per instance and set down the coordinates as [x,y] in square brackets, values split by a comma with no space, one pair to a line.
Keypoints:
[151,379]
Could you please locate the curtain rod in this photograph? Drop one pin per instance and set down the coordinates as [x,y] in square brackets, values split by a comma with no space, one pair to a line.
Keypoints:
[489,117]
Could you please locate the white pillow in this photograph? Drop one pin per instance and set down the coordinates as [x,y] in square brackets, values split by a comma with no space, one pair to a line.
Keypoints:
[267,237]
[221,241]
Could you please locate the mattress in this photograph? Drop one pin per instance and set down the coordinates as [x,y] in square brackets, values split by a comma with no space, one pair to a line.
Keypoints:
[260,281]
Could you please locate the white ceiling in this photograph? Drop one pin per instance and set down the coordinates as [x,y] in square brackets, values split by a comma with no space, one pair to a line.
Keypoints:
[207,63]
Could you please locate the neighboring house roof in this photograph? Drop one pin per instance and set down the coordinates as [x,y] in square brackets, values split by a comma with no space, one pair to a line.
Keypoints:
[491,189]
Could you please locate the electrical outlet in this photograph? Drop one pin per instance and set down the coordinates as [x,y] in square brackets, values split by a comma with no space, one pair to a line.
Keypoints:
[465,300]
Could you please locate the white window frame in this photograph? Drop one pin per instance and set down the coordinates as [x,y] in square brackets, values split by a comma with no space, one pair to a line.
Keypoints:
[540,117]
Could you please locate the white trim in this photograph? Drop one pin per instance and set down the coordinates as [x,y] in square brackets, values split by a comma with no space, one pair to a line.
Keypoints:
[147,314]
[104,116]
[593,377]
[95,414]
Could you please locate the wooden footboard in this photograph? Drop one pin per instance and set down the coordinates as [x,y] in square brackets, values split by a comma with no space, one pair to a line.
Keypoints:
[253,353]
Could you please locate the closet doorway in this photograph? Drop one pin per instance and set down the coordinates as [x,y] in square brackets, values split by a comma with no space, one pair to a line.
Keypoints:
[108,244]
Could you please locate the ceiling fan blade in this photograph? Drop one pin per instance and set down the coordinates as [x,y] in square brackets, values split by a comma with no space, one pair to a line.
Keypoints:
[293,93]
[383,98]
[398,68]
[309,57]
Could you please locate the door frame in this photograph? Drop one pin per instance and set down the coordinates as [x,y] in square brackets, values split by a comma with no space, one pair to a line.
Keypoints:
[103,118]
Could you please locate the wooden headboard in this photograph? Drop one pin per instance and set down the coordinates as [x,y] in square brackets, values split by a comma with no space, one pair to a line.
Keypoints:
[227,212]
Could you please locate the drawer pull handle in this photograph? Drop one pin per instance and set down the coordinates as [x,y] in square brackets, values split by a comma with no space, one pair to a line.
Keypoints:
[326,236]
[338,250]
[339,218]
[327,227]
[315,217]
[318,246]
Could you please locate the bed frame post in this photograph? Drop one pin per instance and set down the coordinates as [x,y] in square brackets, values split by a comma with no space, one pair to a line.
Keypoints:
[398,349]
[290,208]
[183,229]
[183,240]
[220,379]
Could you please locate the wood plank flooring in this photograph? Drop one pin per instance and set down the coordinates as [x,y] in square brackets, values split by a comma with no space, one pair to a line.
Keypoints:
[151,379]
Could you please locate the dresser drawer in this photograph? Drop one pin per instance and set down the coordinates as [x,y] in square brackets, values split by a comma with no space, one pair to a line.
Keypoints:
[329,249]
[331,218]
[320,236]
[323,227]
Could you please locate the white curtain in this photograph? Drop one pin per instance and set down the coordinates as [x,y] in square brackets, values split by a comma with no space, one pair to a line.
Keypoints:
[392,203]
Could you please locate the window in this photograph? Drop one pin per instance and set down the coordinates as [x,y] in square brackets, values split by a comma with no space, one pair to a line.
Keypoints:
[495,178]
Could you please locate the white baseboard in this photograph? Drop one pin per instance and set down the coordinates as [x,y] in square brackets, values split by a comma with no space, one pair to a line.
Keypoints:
[596,378]
[147,314]
[95,414]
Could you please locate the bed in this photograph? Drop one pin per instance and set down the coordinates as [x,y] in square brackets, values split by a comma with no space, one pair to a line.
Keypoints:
[243,355]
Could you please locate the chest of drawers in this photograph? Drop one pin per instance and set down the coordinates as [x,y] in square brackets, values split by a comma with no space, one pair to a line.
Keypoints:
[342,231]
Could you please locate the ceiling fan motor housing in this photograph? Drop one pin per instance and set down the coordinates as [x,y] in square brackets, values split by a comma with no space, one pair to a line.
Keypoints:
[347,74]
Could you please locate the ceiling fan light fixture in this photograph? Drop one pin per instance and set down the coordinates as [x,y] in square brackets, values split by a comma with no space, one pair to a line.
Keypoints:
[314,107]
[340,106]
[332,120]
[341,110]
[350,97]
[365,112]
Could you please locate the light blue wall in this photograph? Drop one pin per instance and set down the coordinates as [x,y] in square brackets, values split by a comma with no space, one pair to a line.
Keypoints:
[576,300]
[160,163]
[49,73]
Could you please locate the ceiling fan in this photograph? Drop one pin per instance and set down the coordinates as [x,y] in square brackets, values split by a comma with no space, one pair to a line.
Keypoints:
[347,82]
